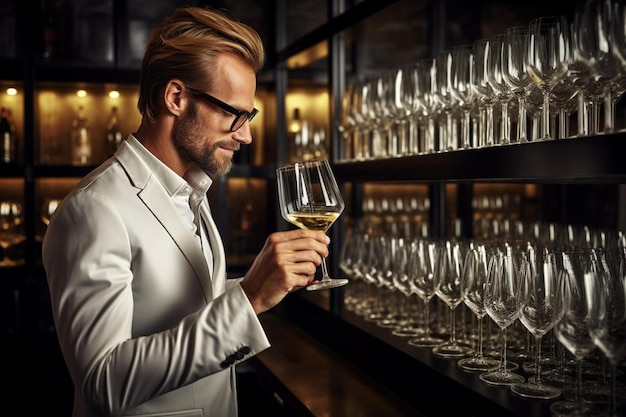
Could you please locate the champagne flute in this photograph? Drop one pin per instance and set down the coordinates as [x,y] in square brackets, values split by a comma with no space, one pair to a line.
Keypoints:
[309,198]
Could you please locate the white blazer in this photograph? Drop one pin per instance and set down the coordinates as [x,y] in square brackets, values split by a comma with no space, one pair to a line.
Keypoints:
[144,328]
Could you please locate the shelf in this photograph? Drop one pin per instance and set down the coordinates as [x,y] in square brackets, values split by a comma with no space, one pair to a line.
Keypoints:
[11,69]
[62,171]
[596,159]
[12,171]
[85,72]
[252,171]
[400,367]
[316,381]
[349,18]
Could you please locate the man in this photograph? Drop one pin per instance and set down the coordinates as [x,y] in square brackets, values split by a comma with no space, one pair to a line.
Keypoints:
[147,321]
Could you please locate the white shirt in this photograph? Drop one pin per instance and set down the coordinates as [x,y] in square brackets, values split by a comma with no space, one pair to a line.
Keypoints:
[187,195]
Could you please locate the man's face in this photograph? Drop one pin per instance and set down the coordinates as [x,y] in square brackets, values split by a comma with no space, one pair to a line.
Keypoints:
[201,144]
[202,132]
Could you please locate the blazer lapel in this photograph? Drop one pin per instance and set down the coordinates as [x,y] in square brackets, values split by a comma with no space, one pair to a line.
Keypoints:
[155,198]
[219,257]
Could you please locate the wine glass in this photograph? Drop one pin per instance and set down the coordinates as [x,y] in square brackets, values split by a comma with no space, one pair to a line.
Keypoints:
[501,304]
[606,304]
[309,198]
[447,273]
[421,265]
[486,95]
[502,91]
[462,87]
[515,73]
[11,228]
[48,207]
[407,326]
[572,330]
[541,300]
[473,283]
[548,58]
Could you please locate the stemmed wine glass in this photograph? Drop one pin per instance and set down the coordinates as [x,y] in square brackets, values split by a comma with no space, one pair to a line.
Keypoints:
[486,94]
[572,330]
[421,260]
[11,228]
[309,198]
[606,303]
[548,58]
[462,87]
[541,301]
[501,303]
[447,273]
[515,73]
[401,278]
[502,91]
[473,282]
[48,207]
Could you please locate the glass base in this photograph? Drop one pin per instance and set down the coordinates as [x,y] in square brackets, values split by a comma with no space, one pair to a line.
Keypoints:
[426,341]
[533,390]
[327,283]
[478,364]
[500,377]
[572,408]
[451,350]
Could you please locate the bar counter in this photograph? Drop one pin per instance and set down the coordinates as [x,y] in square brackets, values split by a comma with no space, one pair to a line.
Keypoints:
[309,379]
[344,366]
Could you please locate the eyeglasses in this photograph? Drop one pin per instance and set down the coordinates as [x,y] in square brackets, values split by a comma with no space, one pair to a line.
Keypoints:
[241,116]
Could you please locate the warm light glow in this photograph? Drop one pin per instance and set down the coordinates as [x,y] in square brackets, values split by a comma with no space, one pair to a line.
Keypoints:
[81,93]
[114,94]
[12,91]
[308,56]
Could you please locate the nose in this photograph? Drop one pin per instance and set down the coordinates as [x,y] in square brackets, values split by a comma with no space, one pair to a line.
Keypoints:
[243,134]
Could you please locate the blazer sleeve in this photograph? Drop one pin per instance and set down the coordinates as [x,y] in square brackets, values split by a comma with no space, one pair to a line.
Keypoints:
[89,255]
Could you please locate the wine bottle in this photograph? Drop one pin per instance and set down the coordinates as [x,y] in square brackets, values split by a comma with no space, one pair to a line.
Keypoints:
[113,134]
[7,136]
[81,140]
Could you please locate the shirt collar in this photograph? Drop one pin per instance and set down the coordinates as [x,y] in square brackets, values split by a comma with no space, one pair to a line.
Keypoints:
[172,182]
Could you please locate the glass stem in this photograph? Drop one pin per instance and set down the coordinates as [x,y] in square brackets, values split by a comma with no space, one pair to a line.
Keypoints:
[503,364]
[452,326]
[521,119]
[538,361]
[479,351]
[579,383]
[545,116]
[427,318]
[325,276]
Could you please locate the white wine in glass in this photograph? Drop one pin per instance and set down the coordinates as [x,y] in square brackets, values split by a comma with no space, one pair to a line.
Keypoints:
[309,198]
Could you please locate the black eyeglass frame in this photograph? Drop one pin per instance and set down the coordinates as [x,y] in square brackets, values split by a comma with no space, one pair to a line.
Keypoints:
[240,115]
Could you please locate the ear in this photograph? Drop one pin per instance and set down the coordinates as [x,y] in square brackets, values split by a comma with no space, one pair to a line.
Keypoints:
[174,99]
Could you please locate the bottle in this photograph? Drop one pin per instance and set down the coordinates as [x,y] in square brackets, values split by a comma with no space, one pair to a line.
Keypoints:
[81,141]
[295,137]
[113,134]
[7,137]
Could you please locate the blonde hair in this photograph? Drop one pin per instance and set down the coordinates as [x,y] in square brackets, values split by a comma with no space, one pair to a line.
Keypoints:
[185,46]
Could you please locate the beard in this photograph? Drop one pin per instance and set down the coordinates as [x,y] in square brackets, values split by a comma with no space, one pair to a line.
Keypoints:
[190,140]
